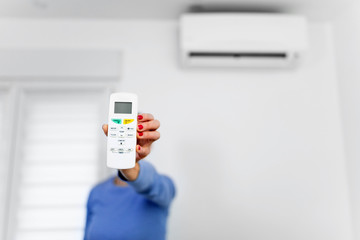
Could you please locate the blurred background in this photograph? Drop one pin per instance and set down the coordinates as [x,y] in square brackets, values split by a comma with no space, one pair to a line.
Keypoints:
[255,152]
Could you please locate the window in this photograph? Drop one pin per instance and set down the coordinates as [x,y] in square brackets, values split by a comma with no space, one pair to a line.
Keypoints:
[59,157]
[55,103]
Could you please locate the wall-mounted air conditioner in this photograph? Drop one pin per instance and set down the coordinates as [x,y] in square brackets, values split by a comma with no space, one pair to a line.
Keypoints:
[242,39]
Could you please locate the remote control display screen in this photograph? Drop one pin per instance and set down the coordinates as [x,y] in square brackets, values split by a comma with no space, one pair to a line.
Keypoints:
[123,107]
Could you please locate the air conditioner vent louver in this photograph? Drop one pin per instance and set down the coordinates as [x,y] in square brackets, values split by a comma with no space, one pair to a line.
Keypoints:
[237,55]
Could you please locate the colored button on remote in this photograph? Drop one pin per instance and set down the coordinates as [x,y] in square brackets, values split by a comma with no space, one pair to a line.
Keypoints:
[117,121]
[127,121]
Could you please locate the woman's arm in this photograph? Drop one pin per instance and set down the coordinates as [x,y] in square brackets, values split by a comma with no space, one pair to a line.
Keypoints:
[158,188]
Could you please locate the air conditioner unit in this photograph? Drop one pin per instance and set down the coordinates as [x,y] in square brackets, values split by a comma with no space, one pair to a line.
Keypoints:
[242,39]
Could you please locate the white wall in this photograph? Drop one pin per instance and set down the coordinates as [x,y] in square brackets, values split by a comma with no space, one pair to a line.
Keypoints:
[255,154]
[347,42]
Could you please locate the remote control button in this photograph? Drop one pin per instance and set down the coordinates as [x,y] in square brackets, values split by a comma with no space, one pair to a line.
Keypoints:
[117,150]
[121,135]
[112,128]
[130,129]
[112,135]
[130,135]
[117,121]
[122,128]
[121,131]
[129,150]
[127,121]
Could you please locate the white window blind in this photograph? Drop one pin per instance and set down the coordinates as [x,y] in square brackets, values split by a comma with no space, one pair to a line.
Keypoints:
[59,163]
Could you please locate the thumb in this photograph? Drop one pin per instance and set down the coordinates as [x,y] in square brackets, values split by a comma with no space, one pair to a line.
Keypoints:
[105,129]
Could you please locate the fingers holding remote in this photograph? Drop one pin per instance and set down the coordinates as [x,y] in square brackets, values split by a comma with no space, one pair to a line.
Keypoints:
[105,129]
[148,136]
[147,129]
[151,125]
[142,151]
[144,117]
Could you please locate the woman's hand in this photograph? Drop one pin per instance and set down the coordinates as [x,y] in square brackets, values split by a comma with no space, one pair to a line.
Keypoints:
[146,134]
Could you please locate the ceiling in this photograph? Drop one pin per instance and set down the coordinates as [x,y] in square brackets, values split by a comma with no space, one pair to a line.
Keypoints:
[162,9]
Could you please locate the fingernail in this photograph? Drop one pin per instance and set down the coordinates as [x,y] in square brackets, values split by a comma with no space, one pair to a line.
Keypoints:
[140,134]
[139,147]
[140,117]
[140,127]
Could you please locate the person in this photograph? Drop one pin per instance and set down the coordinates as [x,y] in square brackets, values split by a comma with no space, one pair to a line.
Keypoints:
[135,204]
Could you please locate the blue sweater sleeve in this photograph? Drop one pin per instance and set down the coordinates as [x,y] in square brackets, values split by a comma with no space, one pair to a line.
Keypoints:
[88,215]
[158,188]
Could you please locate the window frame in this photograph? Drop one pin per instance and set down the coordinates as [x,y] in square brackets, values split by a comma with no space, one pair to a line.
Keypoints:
[18,88]
[8,150]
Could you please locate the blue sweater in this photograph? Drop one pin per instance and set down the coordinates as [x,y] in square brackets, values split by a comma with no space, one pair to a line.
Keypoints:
[134,212]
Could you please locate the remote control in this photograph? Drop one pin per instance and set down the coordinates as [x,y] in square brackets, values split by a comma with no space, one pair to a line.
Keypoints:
[121,143]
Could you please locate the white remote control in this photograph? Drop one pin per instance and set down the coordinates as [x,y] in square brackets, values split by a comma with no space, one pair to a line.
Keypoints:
[121,144]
